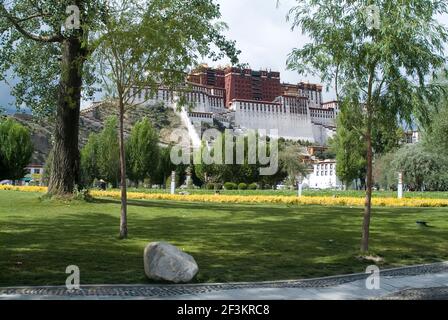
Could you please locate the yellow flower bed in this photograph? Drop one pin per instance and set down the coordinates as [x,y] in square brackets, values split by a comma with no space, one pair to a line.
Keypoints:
[23,188]
[288,200]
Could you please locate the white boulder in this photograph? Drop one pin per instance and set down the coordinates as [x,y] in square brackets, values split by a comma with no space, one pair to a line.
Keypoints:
[164,261]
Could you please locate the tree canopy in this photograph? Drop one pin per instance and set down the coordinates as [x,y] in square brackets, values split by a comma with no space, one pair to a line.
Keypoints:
[381,67]
[52,55]
[143,152]
[16,149]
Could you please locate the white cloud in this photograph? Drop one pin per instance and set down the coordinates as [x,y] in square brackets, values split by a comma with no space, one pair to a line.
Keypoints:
[264,36]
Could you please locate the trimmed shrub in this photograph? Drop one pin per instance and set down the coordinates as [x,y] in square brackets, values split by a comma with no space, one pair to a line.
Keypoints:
[242,186]
[230,186]
[253,186]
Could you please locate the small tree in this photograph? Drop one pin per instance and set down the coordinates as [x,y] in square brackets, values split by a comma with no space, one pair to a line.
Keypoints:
[381,67]
[16,149]
[143,152]
[420,167]
[291,163]
[148,44]
[90,159]
[108,152]
[165,166]
[435,137]
[349,145]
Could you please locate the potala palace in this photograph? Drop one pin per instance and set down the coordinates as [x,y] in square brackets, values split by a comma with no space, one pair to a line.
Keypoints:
[244,99]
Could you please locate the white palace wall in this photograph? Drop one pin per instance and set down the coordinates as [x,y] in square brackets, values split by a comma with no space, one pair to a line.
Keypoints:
[268,116]
[291,116]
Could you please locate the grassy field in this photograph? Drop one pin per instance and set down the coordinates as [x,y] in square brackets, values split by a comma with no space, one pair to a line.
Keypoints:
[309,193]
[40,238]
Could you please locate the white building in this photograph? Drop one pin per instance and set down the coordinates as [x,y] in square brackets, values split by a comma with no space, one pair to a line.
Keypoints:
[323,176]
[298,114]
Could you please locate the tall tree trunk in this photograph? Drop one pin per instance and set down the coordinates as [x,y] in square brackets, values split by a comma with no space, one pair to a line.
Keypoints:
[369,178]
[123,217]
[66,162]
[369,186]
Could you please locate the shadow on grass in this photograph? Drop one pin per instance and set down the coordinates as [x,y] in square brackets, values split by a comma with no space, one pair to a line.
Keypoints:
[229,242]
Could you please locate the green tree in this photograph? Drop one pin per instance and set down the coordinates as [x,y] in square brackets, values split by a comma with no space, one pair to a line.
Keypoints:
[292,165]
[16,149]
[47,168]
[436,136]
[235,169]
[90,159]
[53,63]
[381,67]
[151,43]
[108,152]
[165,166]
[384,173]
[143,152]
[421,169]
[349,145]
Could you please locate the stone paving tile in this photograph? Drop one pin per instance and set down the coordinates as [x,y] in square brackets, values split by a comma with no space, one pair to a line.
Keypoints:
[339,287]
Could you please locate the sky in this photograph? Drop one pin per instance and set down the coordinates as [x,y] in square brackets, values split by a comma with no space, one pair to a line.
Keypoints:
[262,34]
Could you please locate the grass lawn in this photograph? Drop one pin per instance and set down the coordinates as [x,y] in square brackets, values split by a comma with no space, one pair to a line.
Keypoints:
[308,193]
[40,238]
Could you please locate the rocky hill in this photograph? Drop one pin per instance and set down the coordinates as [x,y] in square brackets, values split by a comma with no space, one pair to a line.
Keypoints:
[165,120]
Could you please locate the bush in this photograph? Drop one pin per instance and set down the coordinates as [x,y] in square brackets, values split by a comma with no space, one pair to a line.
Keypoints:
[230,186]
[253,186]
[213,186]
[242,186]
[218,186]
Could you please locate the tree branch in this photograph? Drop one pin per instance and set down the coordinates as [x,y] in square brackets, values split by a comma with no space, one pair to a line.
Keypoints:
[16,23]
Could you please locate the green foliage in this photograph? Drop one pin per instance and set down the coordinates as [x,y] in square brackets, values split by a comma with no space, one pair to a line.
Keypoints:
[142,152]
[165,166]
[174,33]
[385,174]
[230,186]
[379,70]
[47,168]
[349,144]
[100,156]
[90,158]
[128,44]
[291,163]
[423,169]
[232,170]
[108,150]
[436,137]
[242,186]
[32,52]
[160,39]
[252,186]
[210,186]
[16,149]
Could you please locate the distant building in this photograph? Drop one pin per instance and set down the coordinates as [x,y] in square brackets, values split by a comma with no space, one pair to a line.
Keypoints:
[33,175]
[244,99]
[323,176]
[412,137]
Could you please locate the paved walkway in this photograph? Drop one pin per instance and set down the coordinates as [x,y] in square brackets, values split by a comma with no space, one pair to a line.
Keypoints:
[417,282]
